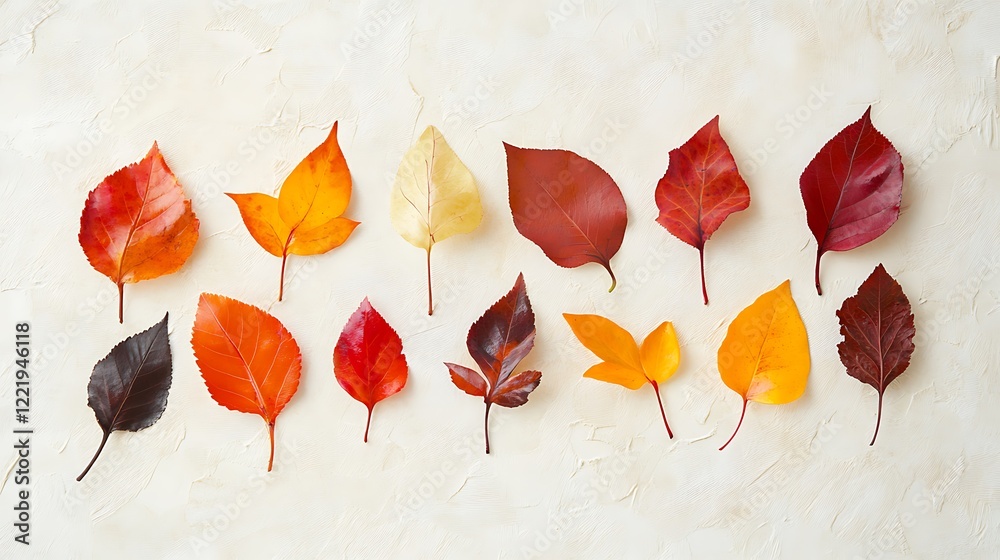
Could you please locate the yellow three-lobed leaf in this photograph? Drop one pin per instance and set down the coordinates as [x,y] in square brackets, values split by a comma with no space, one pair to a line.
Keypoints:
[625,363]
[765,355]
[435,195]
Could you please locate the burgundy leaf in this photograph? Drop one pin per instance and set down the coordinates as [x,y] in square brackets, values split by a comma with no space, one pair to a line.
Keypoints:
[852,189]
[877,325]
[498,341]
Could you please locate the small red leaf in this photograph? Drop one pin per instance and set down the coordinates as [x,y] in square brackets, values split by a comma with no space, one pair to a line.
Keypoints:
[498,341]
[700,189]
[852,189]
[368,360]
[567,205]
[878,330]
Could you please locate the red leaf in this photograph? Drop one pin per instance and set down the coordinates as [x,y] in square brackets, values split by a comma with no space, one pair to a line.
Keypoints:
[567,205]
[368,360]
[852,189]
[137,224]
[249,361]
[700,189]
[877,325]
[498,341]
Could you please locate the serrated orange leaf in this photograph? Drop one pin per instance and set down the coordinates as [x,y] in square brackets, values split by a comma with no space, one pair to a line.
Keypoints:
[249,361]
[305,218]
[625,363]
[137,224]
[765,355]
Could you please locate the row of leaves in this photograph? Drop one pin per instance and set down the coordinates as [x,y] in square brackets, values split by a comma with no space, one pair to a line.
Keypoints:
[251,363]
[137,224]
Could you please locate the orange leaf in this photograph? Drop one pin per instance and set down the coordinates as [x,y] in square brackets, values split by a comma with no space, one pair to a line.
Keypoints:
[624,362]
[137,224]
[305,218]
[249,361]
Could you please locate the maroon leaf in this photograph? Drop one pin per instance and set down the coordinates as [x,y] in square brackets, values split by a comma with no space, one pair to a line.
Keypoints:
[700,189]
[498,341]
[567,205]
[852,189]
[877,325]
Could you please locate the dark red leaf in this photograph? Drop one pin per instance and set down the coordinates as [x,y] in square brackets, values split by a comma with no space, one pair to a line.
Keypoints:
[368,360]
[852,189]
[700,189]
[498,341]
[877,325]
[128,389]
[567,205]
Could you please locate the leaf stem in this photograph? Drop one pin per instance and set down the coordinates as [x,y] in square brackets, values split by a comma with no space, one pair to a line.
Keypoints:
[281,280]
[121,302]
[878,421]
[701,259]
[663,413]
[742,414]
[91,463]
[369,423]
[486,427]
[614,281]
[819,289]
[270,432]
[430,294]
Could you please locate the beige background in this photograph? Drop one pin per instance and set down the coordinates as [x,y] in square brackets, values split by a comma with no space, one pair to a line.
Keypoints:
[236,94]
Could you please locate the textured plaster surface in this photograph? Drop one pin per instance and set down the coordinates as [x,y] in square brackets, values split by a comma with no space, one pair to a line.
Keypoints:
[237,93]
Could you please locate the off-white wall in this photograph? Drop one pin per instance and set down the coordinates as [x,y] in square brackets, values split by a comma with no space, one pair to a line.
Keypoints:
[584,470]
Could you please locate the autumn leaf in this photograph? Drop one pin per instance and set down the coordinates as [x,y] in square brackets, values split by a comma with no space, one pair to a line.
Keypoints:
[567,205]
[877,325]
[137,224]
[368,360]
[128,388]
[625,363]
[249,361]
[765,355]
[700,189]
[852,189]
[434,197]
[498,341]
[305,218]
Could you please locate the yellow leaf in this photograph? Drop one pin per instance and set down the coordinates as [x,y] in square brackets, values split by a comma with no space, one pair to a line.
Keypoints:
[624,362]
[660,353]
[318,189]
[305,217]
[765,355]
[434,197]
